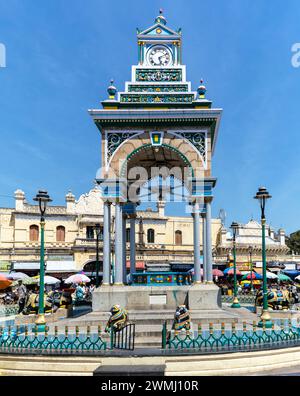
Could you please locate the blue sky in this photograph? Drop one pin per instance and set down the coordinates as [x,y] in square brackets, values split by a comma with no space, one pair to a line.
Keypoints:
[61,55]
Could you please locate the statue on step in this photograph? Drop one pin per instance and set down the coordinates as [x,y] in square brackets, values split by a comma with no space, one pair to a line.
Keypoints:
[118,319]
[181,319]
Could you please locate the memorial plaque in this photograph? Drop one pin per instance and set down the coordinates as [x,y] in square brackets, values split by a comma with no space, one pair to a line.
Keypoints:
[158,299]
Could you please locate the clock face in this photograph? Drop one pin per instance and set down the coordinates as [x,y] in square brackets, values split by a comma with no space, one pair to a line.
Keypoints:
[159,56]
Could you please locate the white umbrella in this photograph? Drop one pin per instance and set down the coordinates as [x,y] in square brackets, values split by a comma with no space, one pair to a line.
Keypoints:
[48,280]
[271,275]
[17,276]
[78,278]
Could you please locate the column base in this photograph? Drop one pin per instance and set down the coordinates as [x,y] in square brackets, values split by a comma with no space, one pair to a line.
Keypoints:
[235,303]
[268,324]
[265,320]
[40,324]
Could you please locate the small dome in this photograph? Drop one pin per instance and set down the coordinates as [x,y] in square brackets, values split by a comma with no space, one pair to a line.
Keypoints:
[112,90]
[70,196]
[201,89]
[160,18]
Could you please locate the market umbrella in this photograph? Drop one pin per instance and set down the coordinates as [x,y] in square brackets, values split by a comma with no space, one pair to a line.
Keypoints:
[17,276]
[271,275]
[217,272]
[78,278]
[230,271]
[4,282]
[248,282]
[284,278]
[48,280]
[291,273]
[253,275]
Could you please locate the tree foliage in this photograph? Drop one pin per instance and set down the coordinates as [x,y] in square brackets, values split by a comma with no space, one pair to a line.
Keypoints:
[293,242]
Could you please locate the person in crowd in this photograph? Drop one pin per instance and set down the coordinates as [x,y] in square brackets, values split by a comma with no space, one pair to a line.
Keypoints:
[22,293]
[80,292]
[92,287]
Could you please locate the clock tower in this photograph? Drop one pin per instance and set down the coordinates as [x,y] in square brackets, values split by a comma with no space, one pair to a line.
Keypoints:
[159,45]
[157,121]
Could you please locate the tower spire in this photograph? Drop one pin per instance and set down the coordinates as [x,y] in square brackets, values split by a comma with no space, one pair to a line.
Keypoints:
[160,18]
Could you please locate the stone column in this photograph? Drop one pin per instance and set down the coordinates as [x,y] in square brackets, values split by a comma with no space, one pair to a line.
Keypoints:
[106,244]
[203,215]
[197,264]
[208,242]
[132,245]
[118,245]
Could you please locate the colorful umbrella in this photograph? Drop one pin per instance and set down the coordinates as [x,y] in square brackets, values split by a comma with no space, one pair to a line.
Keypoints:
[230,271]
[78,278]
[253,275]
[217,272]
[247,282]
[284,278]
[4,282]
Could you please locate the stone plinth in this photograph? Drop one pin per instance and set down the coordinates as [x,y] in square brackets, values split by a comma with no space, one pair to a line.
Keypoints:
[203,300]
[49,317]
[281,314]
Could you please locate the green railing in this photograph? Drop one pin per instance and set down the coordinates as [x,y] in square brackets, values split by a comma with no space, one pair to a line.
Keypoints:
[8,310]
[222,338]
[28,340]
[243,299]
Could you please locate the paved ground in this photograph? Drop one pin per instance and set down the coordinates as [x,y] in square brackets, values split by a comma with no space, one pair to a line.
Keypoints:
[286,371]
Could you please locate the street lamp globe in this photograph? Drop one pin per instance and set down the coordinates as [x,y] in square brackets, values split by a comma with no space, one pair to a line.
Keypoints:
[262,195]
[42,198]
[234,226]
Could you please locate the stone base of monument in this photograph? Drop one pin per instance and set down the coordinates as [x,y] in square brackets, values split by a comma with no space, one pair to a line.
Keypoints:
[158,298]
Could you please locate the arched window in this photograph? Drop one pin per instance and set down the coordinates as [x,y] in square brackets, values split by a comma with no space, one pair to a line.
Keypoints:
[127,235]
[60,234]
[150,235]
[34,233]
[178,237]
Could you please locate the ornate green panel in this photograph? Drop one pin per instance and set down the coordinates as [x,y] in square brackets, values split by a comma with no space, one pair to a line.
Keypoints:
[158,75]
[197,139]
[114,140]
[158,88]
[156,98]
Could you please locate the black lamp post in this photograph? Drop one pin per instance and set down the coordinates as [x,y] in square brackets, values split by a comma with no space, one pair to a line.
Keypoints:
[262,195]
[98,234]
[42,198]
[234,226]
[250,250]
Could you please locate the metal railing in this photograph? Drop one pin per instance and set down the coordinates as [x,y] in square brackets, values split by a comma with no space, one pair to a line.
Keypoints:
[124,338]
[8,310]
[243,299]
[219,338]
[26,339]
